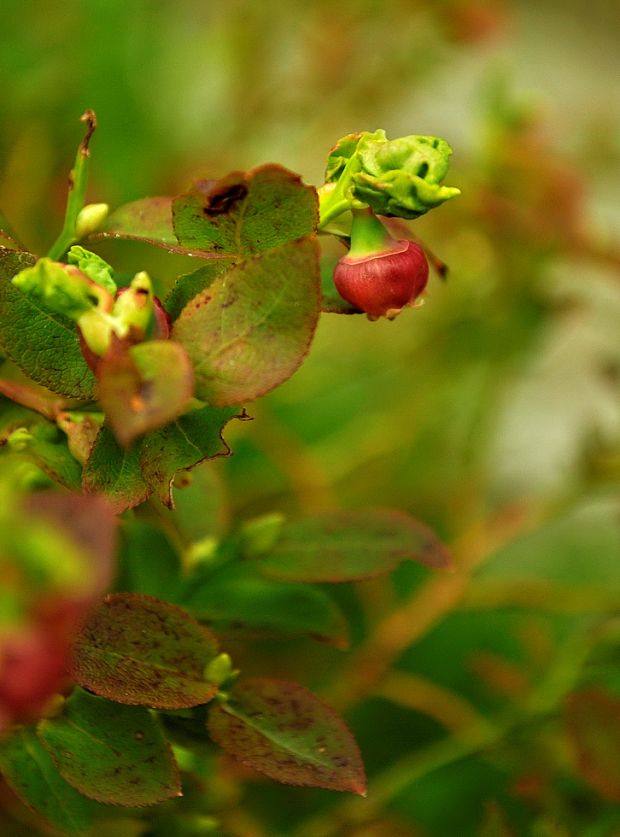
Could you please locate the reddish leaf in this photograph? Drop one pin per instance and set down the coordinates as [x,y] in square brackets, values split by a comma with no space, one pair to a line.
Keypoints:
[144,387]
[138,650]
[345,546]
[190,285]
[251,328]
[284,731]
[593,721]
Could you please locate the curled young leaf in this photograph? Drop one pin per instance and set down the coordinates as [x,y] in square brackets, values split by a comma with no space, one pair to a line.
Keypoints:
[399,177]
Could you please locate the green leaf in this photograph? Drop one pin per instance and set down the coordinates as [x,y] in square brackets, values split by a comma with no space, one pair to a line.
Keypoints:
[399,177]
[191,284]
[236,600]
[182,445]
[93,266]
[43,443]
[148,562]
[115,472]
[29,770]
[593,721]
[48,449]
[111,753]
[147,219]
[139,650]
[246,213]
[44,345]
[143,387]
[251,328]
[345,546]
[284,731]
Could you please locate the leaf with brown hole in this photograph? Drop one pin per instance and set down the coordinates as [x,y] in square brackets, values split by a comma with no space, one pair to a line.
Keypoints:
[246,213]
[284,731]
[136,649]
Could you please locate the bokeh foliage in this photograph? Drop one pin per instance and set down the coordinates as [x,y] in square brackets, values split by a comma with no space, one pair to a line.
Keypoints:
[492,413]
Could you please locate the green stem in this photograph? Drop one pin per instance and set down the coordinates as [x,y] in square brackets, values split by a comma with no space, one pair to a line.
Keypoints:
[368,235]
[334,201]
[78,179]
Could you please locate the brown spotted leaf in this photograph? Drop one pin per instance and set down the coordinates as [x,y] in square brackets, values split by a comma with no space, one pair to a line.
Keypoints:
[284,731]
[346,546]
[593,721]
[30,772]
[111,753]
[136,649]
[250,329]
[144,387]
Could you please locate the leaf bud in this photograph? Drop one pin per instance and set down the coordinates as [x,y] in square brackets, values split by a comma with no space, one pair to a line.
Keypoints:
[90,218]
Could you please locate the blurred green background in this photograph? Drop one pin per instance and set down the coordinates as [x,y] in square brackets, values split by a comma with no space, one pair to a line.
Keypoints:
[493,413]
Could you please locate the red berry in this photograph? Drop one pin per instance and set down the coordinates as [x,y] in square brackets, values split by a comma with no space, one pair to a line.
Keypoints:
[383,283]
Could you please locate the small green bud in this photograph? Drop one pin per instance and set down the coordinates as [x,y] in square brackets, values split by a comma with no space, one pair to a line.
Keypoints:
[203,551]
[62,288]
[259,536]
[220,670]
[90,218]
[134,307]
[19,439]
[96,328]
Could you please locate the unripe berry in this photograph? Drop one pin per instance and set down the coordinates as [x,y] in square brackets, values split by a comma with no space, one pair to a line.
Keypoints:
[384,282]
